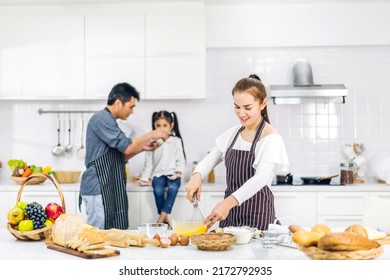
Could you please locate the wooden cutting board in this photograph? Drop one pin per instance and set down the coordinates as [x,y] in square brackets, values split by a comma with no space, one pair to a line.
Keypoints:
[53,246]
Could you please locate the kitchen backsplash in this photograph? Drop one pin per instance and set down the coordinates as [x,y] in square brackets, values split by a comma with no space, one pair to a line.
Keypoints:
[313,133]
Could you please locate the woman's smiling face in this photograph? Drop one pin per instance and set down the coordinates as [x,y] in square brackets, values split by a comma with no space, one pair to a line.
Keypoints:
[247,109]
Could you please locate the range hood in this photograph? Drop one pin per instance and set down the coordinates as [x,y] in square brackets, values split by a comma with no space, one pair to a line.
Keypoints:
[304,90]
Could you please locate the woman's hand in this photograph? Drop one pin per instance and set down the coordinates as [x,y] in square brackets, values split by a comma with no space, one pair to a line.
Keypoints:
[221,211]
[194,186]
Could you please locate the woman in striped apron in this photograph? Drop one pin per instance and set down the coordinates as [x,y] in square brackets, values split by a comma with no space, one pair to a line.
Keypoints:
[103,184]
[253,152]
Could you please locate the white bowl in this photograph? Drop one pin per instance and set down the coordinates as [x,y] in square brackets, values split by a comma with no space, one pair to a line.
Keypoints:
[151,229]
[243,234]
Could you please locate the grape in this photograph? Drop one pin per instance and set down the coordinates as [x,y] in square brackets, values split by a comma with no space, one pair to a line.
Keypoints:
[36,213]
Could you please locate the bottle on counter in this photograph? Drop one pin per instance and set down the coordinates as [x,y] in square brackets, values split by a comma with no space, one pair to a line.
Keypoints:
[211,177]
[346,173]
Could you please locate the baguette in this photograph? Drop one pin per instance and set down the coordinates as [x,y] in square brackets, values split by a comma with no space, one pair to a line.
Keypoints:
[294,228]
[345,241]
[132,238]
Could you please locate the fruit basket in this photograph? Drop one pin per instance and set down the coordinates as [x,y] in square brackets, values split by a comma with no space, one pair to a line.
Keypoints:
[38,234]
[213,241]
[315,253]
[33,180]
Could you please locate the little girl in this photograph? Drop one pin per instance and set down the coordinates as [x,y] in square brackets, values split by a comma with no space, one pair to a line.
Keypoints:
[165,164]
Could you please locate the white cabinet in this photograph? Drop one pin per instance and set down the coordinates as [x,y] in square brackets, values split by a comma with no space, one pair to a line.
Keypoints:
[135,205]
[102,73]
[10,57]
[300,206]
[148,210]
[114,35]
[53,56]
[175,34]
[114,53]
[175,77]
[175,56]
[340,209]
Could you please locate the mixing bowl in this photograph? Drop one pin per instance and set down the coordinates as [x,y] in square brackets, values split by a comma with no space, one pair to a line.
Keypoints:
[188,227]
[151,229]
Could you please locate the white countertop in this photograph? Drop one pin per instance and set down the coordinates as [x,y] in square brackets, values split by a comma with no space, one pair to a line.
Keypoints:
[9,185]
[14,249]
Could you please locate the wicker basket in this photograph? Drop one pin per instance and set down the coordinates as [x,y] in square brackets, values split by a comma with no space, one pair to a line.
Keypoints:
[213,241]
[315,253]
[35,180]
[66,177]
[38,234]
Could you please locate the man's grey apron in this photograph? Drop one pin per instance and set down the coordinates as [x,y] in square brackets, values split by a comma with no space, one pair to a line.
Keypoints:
[258,211]
[110,169]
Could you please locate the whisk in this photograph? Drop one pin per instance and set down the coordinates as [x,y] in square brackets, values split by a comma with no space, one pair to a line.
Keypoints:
[196,214]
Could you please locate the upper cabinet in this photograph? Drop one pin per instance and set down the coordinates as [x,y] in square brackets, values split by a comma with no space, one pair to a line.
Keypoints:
[53,56]
[175,56]
[81,52]
[175,34]
[10,57]
[114,52]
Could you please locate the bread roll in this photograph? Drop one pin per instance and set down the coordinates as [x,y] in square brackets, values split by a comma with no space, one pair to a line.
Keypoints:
[306,238]
[294,228]
[321,229]
[345,241]
[358,229]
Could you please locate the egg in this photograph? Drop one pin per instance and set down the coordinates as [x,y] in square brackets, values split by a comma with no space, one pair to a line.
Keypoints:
[184,241]
[165,242]
[174,239]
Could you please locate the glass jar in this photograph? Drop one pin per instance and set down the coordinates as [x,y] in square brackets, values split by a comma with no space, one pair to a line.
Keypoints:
[346,173]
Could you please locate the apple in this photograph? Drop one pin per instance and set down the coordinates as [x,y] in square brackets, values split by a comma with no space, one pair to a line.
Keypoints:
[53,211]
[22,204]
[48,223]
[15,215]
[26,225]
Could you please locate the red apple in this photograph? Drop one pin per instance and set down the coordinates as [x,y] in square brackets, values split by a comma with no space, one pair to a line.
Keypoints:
[53,210]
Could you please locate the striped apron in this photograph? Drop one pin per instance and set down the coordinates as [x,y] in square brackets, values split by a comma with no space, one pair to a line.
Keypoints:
[110,169]
[258,211]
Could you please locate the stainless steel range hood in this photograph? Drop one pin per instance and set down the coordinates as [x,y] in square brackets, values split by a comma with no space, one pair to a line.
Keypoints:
[304,90]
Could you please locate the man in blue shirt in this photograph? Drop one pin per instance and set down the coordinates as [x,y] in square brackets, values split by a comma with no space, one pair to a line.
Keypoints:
[103,184]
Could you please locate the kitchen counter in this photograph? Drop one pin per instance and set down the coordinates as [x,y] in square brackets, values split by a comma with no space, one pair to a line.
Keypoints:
[13,249]
[7,186]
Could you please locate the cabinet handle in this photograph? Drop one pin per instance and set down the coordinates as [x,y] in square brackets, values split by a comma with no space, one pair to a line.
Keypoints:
[285,195]
[173,53]
[113,54]
[341,196]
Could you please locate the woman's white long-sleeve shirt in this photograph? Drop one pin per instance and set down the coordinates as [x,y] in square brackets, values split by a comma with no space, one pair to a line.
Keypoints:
[165,160]
[270,158]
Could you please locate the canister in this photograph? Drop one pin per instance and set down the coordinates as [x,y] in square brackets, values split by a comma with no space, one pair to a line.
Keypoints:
[346,173]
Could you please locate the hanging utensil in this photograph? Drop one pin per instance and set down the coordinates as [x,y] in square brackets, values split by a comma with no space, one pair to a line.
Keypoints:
[81,151]
[58,150]
[196,214]
[69,147]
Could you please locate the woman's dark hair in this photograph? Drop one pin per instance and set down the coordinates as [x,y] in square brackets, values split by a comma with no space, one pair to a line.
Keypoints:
[123,92]
[254,86]
[170,117]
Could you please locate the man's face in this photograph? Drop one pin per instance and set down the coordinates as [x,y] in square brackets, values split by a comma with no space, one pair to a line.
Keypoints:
[127,108]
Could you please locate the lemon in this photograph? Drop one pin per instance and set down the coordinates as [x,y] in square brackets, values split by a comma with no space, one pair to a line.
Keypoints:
[46,170]
[200,229]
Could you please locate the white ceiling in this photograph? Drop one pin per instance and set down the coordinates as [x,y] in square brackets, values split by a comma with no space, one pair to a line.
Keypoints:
[209,2]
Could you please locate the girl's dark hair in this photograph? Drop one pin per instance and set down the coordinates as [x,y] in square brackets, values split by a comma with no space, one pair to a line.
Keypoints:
[170,117]
[123,92]
[254,86]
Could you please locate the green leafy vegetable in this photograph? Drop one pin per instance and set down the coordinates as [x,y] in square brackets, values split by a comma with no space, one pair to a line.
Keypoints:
[15,163]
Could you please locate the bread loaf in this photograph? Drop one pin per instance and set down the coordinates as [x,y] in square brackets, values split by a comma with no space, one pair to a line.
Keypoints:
[358,229]
[294,228]
[345,241]
[306,238]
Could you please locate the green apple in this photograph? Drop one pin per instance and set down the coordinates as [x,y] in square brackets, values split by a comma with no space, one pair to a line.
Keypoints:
[22,204]
[15,215]
[48,223]
[26,225]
